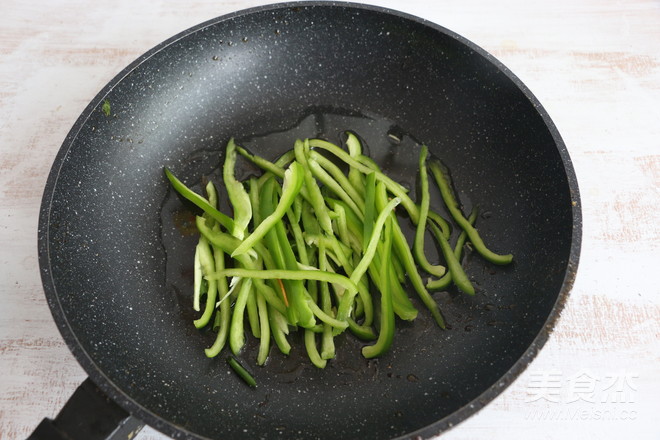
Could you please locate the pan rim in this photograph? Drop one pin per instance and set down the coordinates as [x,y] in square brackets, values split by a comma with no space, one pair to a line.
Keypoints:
[171,429]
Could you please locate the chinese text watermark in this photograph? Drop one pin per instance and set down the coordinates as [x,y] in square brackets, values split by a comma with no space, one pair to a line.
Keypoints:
[601,396]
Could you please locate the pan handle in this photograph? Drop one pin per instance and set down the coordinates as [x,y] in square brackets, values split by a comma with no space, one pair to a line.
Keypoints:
[89,415]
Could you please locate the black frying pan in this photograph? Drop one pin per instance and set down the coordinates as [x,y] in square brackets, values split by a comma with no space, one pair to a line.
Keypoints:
[116,248]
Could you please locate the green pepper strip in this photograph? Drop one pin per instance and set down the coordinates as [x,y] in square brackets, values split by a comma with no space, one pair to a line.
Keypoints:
[444,281]
[386,332]
[353,223]
[366,166]
[264,326]
[327,340]
[266,299]
[346,302]
[399,271]
[296,209]
[262,163]
[444,226]
[273,245]
[363,284]
[272,168]
[339,177]
[372,245]
[368,162]
[212,197]
[254,201]
[318,328]
[198,275]
[242,372]
[402,305]
[300,313]
[253,314]
[318,275]
[228,244]
[261,250]
[285,159]
[224,314]
[280,328]
[369,207]
[298,295]
[236,332]
[333,186]
[403,250]
[394,187]
[330,251]
[474,237]
[309,224]
[326,318]
[298,237]
[418,246]
[208,266]
[293,180]
[361,331]
[199,201]
[459,277]
[312,351]
[238,197]
[254,317]
[340,250]
[335,248]
[355,150]
[313,191]
[458,274]
[440,221]
[342,227]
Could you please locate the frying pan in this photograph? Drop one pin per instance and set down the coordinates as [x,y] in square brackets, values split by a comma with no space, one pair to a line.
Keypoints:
[115,243]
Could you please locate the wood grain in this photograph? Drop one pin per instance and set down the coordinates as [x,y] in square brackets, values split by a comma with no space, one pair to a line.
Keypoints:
[594,65]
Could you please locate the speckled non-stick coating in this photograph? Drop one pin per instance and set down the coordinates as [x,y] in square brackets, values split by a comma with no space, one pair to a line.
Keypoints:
[116,260]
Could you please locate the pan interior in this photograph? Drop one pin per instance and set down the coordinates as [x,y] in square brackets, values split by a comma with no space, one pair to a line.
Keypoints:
[119,243]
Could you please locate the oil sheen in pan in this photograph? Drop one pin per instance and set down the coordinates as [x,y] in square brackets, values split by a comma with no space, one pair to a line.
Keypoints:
[396,151]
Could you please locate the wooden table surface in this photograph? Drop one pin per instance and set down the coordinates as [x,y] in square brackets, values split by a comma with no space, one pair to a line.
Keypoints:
[593,64]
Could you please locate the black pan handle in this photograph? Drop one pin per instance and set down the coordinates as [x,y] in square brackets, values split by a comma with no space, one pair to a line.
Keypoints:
[89,415]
